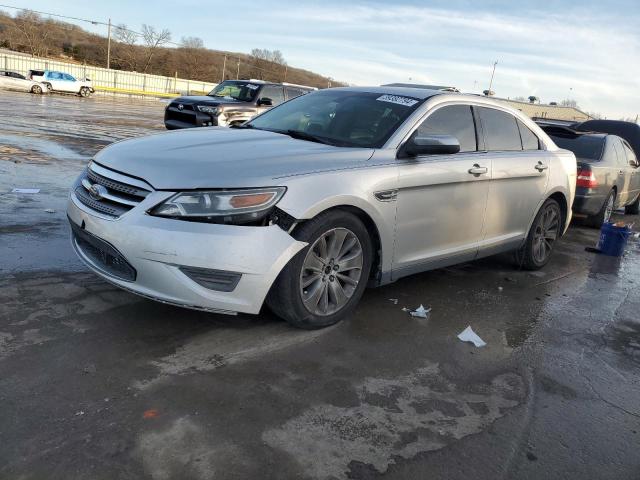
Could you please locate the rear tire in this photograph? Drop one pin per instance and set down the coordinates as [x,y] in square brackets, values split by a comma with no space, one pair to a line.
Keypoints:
[604,214]
[542,237]
[37,89]
[323,283]
[634,208]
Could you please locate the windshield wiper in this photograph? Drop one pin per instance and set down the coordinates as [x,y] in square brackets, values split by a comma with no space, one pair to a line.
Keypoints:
[300,135]
[243,125]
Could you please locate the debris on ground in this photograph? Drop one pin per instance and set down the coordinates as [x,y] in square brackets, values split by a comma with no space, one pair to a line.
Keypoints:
[152,413]
[394,301]
[419,312]
[468,335]
[500,289]
[25,190]
[49,210]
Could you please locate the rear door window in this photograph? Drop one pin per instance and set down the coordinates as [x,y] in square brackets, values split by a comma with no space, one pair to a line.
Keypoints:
[274,92]
[500,130]
[456,120]
[529,139]
[69,77]
[293,92]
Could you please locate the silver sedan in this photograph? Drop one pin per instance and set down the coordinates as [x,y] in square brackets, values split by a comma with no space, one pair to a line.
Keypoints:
[314,200]
[15,81]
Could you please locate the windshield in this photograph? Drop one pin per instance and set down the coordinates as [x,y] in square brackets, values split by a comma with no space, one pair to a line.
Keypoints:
[340,117]
[584,146]
[243,91]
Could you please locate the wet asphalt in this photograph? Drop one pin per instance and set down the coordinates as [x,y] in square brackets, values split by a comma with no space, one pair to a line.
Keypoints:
[97,383]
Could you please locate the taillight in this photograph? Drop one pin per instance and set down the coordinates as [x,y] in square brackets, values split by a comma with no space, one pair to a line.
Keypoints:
[586,179]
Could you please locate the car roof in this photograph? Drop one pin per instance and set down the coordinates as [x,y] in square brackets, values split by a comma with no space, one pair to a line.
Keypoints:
[421,93]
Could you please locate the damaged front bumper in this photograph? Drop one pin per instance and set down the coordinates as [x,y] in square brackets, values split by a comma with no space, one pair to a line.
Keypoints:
[221,268]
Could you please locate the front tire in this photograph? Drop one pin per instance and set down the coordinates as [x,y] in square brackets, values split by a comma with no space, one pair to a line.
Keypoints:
[605,212]
[633,208]
[85,92]
[37,89]
[543,234]
[323,283]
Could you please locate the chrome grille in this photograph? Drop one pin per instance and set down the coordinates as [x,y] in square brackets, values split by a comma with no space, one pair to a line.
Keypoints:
[106,192]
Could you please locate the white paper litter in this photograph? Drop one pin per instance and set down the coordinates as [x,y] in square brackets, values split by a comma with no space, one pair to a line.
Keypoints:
[25,190]
[394,301]
[49,210]
[420,312]
[468,335]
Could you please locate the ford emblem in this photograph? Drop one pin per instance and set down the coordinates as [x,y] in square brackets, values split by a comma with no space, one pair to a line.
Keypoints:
[97,191]
[180,106]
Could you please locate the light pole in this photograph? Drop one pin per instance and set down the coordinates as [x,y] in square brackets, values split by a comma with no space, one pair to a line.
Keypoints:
[492,74]
[109,44]
[224,67]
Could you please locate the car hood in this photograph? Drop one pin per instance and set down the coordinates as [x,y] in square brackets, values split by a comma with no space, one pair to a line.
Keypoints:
[224,158]
[206,100]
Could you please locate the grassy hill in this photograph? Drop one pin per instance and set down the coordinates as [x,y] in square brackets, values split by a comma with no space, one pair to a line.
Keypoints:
[150,51]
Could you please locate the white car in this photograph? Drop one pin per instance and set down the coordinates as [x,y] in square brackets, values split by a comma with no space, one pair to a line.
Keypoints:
[15,81]
[62,82]
[310,202]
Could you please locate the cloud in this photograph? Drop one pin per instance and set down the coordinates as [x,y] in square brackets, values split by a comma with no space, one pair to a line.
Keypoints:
[590,55]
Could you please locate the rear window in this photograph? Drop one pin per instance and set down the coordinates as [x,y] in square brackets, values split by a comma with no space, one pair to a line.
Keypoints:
[583,146]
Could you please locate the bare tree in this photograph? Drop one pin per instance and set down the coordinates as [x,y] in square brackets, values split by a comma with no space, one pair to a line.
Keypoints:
[191,42]
[153,40]
[194,59]
[126,51]
[267,63]
[31,32]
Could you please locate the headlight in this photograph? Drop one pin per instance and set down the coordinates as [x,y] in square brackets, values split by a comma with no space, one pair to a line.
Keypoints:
[208,109]
[230,206]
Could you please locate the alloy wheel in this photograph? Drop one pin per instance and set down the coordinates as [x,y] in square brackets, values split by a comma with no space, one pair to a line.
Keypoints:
[608,209]
[331,271]
[546,233]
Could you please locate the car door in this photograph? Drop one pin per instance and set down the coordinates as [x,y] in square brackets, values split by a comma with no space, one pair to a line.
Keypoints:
[273,92]
[633,172]
[55,80]
[5,80]
[441,199]
[519,179]
[620,171]
[70,84]
[19,81]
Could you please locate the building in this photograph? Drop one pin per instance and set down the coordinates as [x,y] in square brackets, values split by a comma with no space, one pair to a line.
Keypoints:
[543,111]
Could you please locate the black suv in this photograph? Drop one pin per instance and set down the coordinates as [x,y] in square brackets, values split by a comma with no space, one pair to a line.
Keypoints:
[232,102]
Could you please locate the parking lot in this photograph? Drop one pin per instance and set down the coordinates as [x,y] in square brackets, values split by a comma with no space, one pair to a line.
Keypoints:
[98,383]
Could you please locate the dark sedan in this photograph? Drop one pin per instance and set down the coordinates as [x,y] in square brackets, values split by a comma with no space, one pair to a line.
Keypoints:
[608,173]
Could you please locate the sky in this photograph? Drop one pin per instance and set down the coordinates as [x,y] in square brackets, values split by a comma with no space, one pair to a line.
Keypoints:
[585,50]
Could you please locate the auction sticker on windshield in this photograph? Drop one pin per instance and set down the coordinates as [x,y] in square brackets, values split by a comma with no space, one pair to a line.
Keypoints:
[406,101]
[251,86]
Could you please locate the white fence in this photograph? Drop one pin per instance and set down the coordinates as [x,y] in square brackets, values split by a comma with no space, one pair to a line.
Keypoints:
[103,79]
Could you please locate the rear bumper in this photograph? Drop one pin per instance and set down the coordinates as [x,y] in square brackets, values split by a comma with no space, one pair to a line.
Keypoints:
[155,249]
[587,203]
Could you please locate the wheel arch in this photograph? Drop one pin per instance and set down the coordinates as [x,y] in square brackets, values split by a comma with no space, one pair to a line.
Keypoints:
[564,208]
[375,277]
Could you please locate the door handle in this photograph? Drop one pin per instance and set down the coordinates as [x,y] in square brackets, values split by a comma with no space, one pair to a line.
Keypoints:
[477,170]
[541,167]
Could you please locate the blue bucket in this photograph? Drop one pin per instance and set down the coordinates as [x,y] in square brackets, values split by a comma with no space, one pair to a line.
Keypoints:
[613,239]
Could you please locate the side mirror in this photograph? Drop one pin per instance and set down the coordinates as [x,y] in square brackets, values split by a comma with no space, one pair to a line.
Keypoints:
[434,144]
[265,101]
[634,163]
